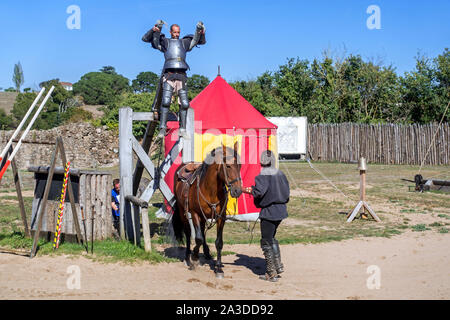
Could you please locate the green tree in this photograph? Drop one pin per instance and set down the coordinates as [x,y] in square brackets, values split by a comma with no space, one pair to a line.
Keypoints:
[18,78]
[419,90]
[145,82]
[101,87]
[141,102]
[195,84]
[6,121]
[108,70]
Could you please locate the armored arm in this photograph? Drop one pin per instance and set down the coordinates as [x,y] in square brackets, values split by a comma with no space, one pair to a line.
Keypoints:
[199,36]
[154,36]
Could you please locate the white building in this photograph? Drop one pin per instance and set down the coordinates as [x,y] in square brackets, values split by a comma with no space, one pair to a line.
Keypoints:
[67,85]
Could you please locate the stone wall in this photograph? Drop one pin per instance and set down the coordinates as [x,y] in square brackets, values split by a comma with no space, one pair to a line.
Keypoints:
[86,146]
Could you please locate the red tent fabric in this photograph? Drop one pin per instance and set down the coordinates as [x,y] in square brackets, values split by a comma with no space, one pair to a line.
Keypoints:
[220,106]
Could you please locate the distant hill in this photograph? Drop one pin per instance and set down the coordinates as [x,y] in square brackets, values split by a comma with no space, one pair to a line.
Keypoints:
[7,100]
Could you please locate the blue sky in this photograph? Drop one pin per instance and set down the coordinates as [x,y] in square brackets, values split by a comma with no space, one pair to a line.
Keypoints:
[245,38]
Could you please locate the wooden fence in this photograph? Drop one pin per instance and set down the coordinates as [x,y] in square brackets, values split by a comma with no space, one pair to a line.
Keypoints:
[382,143]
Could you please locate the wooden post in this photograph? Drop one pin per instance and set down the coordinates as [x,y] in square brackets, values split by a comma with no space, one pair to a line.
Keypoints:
[126,163]
[71,195]
[43,205]
[188,150]
[362,204]
[19,196]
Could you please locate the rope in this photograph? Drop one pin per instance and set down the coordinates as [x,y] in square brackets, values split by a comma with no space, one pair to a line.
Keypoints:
[61,207]
[296,186]
[434,138]
[328,180]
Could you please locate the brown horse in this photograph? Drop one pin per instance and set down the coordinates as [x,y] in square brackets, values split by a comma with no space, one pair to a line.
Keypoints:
[203,196]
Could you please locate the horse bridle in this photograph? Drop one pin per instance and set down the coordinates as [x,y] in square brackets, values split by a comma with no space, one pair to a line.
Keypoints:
[213,206]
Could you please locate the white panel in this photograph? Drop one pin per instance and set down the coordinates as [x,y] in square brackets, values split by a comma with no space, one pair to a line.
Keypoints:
[291,134]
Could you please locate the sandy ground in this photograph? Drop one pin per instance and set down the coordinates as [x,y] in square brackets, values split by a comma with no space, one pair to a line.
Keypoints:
[414,265]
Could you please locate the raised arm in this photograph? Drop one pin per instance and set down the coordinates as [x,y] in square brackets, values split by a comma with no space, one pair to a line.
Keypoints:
[198,38]
[155,38]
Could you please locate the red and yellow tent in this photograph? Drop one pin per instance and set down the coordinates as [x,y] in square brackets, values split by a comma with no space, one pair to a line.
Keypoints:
[222,115]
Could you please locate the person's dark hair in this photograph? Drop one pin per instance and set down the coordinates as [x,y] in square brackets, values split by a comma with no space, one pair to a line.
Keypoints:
[267,158]
[116,181]
[174,25]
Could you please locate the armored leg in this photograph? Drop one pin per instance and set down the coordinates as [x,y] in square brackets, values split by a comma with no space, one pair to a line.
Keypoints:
[165,105]
[277,257]
[271,272]
[184,106]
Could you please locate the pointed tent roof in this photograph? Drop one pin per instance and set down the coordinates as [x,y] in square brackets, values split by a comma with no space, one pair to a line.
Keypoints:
[220,106]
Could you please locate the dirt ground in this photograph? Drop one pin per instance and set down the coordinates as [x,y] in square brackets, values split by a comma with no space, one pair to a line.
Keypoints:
[413,265]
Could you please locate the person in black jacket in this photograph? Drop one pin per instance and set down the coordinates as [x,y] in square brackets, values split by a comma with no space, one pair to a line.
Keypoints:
[271,193]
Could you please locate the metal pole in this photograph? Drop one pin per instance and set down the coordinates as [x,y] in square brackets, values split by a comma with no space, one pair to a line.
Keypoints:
[16,149]
[84,226]
[92,223]
[5,150]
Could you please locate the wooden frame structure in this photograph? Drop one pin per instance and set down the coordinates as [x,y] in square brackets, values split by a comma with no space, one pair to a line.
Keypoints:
[59,147]
[362,204]
[130,175]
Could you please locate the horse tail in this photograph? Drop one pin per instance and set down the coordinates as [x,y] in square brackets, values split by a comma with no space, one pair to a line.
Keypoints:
[177,224]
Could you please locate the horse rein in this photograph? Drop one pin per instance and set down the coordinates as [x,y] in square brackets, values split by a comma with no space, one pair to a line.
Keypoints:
[213,206]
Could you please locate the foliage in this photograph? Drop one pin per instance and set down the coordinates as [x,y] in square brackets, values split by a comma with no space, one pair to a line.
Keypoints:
[49,116]
[6,121]
[349,89]
[18,76]
[195,84]
[141,102]
[76,114]
[101,87]
[145,82]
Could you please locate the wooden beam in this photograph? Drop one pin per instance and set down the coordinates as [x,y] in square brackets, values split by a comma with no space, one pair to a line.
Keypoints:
[143,116]
[146,230]
[70,190]
[146,144]
[188,144]
[126,163]
[19,197]
[43,205]
[135,200]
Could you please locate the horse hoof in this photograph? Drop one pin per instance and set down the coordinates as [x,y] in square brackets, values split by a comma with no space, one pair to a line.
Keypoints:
[208,257]
[219,275]
[192,267]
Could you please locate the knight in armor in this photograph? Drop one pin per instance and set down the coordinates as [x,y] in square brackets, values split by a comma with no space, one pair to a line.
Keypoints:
[174,71]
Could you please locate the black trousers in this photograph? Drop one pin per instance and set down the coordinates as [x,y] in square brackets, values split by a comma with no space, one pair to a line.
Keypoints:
[269,229]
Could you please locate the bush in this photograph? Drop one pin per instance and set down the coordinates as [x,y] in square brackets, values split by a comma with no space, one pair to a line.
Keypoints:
[101,87]
[76,114]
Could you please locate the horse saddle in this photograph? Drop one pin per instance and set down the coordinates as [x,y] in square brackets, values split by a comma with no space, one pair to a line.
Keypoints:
[189,172]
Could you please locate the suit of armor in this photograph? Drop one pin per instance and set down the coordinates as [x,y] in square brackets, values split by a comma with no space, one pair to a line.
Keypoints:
[174,71]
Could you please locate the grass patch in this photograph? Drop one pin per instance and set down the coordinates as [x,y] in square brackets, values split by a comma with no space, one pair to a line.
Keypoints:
[443,230]
[436,224]
[419,228]
[446,216]
[104,251]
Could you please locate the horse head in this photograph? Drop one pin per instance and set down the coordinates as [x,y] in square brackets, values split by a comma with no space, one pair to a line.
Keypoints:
[229,168]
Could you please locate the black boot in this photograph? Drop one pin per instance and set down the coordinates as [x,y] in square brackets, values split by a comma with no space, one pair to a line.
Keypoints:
[277,257]
[271,273]
[162,122]
[183,119]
